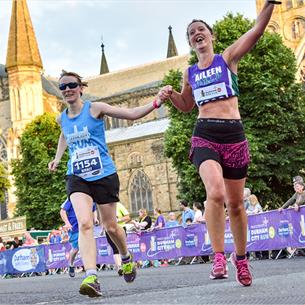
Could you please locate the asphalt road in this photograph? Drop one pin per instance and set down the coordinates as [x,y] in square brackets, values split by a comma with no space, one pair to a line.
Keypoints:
[275,282]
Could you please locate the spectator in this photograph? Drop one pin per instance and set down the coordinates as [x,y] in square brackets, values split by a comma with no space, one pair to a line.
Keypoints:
[55,237]
[247,193]
[160,221]
[254,207]
[298,197]
[29,241]
[172,221]
[16,243]
[144,222]
[187,213]
[197,207]
[2,246]
[203,214]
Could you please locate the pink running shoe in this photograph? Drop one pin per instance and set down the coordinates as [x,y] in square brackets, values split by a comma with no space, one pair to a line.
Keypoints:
[219,268]
[243,274]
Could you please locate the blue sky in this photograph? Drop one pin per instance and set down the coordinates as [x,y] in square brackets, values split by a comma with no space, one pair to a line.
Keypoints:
[134,32]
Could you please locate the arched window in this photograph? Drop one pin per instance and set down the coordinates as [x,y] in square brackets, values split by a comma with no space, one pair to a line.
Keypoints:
[3,150]
[141,192]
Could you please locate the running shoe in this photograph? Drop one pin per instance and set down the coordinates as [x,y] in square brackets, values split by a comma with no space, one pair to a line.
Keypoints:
[71,271]
[243,274]
[129,269]
[90,287]
[219,268]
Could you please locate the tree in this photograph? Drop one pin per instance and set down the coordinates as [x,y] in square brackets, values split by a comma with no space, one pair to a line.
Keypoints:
[272,108]
[39,192]
[4,182]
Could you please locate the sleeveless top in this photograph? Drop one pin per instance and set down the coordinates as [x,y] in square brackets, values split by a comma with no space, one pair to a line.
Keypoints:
[213,83]
[88,152]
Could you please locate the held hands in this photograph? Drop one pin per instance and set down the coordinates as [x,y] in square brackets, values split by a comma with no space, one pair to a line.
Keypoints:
[53,165]
[165,93]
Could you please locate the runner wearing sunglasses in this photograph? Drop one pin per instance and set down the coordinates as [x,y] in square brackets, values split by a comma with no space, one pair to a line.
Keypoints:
[91,174]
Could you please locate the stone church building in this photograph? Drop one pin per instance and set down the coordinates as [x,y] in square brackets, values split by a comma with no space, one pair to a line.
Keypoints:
[148,179]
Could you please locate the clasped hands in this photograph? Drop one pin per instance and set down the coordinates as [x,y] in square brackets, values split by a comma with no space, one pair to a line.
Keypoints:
[165,93]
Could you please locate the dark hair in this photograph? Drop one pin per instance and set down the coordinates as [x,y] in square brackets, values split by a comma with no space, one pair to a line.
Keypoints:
[189,220]
[77,76]
[184,202]
[158,210]
[198,205]
[197,20]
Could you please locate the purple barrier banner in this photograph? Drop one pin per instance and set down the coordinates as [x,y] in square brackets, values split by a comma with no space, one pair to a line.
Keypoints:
[57,255]
[266,231]
[104,251]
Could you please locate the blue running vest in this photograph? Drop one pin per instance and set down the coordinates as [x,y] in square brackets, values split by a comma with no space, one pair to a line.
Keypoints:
[88,152]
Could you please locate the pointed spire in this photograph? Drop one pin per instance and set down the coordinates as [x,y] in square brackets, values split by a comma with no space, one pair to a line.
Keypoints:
[104,66]
[22,45]
[171,48]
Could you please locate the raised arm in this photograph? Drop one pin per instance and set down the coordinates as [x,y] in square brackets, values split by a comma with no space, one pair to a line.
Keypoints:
[246,42]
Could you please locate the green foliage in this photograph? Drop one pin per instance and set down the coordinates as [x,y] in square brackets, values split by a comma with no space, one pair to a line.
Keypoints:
[39,192]
[272,107]
[4,182]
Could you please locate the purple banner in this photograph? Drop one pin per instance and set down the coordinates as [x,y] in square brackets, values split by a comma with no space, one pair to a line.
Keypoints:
[266,231]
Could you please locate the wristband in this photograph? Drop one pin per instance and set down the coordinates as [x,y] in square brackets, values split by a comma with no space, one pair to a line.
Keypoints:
[274,2]
[155,104]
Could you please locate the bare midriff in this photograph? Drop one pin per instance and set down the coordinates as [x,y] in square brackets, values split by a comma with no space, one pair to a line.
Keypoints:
[222,109]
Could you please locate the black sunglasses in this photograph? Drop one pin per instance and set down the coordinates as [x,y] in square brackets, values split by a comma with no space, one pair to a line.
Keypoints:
[63,86]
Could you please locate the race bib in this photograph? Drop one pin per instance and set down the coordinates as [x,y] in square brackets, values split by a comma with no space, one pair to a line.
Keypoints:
[86,162]
[205,94]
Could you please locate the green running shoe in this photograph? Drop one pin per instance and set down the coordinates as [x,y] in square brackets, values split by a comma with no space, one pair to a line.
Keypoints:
[129,269]
[91,287]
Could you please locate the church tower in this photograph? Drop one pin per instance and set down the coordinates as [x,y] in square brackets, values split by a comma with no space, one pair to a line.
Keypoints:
[171,48]
[104,66]
[288,20]
[24,69]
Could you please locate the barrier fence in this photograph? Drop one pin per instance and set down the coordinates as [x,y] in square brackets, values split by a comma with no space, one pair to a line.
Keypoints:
[270,230]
